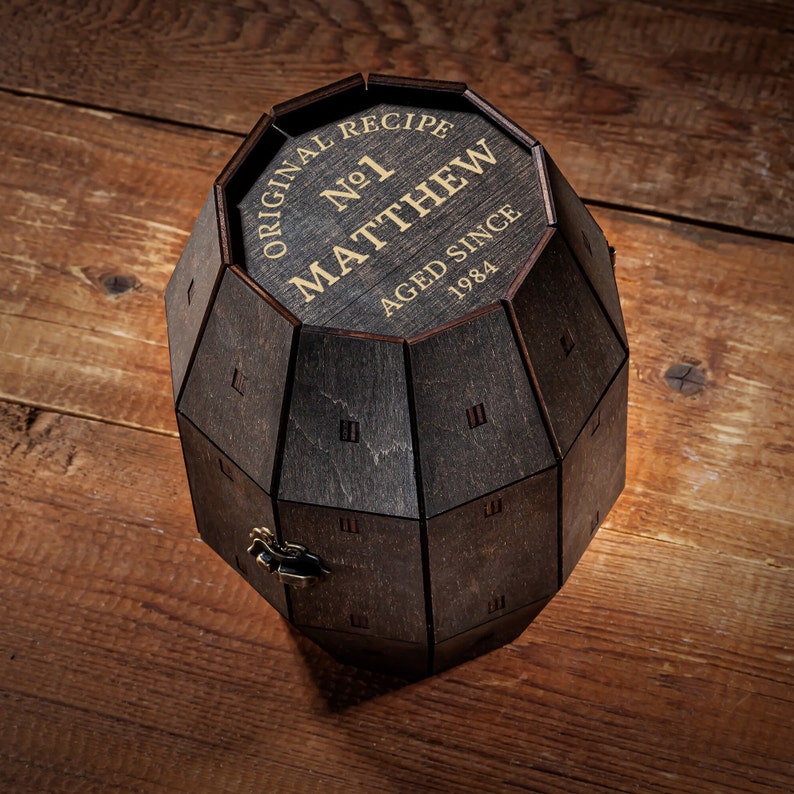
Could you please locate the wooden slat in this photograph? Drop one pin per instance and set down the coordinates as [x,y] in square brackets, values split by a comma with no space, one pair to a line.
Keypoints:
[138,661]
[675,107]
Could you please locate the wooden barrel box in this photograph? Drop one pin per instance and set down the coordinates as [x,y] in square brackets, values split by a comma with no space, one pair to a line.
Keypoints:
[400,371]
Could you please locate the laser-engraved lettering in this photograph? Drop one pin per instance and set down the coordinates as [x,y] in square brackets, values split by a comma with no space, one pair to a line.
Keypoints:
[304,285]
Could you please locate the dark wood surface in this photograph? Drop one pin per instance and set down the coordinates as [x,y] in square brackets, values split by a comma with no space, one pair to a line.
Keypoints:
[133,659]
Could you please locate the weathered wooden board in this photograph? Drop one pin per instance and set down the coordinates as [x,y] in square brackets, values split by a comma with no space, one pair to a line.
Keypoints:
[669,106]
[483,570]
[191,290]
[375,585]
[96,208]
[132,659]
[228,505]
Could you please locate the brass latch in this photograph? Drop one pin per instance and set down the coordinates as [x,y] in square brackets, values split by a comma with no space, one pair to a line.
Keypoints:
[289,563]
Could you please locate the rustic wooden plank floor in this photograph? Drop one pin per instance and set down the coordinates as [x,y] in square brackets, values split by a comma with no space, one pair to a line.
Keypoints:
[132,659]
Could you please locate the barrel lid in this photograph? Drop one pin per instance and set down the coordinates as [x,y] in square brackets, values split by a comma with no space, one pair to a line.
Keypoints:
[387,207]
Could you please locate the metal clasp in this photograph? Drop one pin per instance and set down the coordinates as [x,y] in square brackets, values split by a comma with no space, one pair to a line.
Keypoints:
[289,563]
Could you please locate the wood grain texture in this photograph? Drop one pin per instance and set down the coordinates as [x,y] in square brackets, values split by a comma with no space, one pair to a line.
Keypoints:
[369,464]
[666,106]
[228,505]
[191,290]
[594,472]
[457,372]
[132,659]
[97,208]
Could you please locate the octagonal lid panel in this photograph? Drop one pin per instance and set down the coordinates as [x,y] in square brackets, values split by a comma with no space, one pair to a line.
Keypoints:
[392,220]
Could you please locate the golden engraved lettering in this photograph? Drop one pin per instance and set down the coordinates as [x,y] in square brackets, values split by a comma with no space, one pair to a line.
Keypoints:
[369,123]
[306,155]
[288,172]
[420,280]
[428,195]
[442,128]
[345,255]
[304,285]
[322,146]
[357,180]
[467,284]
[474,156]
[278,195]
[456,253]
[381,172]
[508,212]
[364,230]
[389,306]
[478,237]
[491,221]
[405,293]
[348,129]
[347,192]
[274,229]
[390,213]
[365,125]
[434,271]
[448,182]
[275,249]
[390,126]
[412,293]
[424,121]
[420,201]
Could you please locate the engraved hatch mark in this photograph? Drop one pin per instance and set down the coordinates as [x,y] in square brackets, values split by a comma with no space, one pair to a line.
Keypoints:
[496,604]
[476,415]
[238,381]
[224,466]
[567,342]
[348,430]
[493,507]
[348,525]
